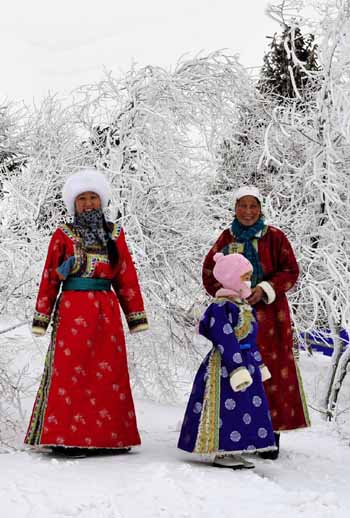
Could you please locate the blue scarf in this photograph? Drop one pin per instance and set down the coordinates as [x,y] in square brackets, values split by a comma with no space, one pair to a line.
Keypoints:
[246,235]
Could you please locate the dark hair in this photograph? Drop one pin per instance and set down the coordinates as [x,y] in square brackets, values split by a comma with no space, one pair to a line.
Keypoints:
[112,250]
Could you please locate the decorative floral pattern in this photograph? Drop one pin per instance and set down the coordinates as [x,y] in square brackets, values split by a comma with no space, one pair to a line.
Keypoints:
[280,269]
[217,419]
[84,398]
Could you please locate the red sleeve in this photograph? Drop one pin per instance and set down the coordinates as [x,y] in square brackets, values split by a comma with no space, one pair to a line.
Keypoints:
[286,267]
[127,288]
[50,283]
[209,281]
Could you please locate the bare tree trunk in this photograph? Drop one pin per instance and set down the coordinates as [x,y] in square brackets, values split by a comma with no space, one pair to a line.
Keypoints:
[339,377]
[331,375]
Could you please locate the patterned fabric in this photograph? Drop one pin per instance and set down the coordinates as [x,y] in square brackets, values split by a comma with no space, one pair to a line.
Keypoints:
[275,338]
[246,235]
[209,424]
[36,422]
[82,263]
[75,264]
[84,398]
[217,419]
[90,227]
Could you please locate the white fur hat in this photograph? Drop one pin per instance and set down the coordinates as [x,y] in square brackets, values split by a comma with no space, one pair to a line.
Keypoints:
[247,190]
[84,180]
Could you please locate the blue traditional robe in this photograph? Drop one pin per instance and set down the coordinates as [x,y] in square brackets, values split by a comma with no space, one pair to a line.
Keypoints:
[217,419]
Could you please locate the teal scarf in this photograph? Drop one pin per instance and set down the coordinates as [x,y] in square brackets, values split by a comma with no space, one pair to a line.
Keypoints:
[246,235]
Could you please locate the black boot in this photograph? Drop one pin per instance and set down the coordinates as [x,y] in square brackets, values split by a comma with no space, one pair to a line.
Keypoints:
[73,453]
[273,454]
[108,451]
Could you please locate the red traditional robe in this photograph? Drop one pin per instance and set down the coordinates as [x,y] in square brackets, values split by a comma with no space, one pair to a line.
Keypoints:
[275,341]
[84,399]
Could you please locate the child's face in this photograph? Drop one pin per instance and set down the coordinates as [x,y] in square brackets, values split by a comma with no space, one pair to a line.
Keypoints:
[246,276]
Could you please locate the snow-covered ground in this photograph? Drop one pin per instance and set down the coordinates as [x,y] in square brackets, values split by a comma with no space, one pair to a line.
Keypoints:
[310,479]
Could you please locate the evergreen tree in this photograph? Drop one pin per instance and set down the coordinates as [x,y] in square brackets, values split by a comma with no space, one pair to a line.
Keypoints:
[239,153]
[290,59]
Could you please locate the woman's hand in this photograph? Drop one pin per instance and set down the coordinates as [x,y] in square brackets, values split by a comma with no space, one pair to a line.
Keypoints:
[256,295]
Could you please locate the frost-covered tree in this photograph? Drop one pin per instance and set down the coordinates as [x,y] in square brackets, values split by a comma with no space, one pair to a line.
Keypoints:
[288,72]
[285,72]
[11,142]
[174,146]
[309,147]
[29,210]
[155,134]
[239,153]
[31,205]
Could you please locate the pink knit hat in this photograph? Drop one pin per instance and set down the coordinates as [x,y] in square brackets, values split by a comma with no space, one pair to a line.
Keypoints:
[228,270]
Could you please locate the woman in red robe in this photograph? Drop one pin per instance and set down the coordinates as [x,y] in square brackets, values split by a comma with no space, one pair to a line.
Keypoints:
[275,272]
[84,398]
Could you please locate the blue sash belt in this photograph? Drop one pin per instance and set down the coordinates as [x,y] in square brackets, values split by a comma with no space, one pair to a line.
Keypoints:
[86,284]
[244,346]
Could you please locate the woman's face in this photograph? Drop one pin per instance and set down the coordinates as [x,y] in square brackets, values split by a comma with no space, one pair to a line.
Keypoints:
[248,210]
[87,201]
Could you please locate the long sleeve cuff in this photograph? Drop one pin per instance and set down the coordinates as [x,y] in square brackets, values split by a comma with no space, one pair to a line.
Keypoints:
[265,373]
[137,321]
[269,292]
[137,329]
[38,331]
[240,379]
[40,323]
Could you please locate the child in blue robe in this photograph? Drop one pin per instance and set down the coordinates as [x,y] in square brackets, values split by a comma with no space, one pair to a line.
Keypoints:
[227,413]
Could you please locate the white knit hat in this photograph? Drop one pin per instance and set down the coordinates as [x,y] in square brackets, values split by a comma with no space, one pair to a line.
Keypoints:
[247,190]
[84,180]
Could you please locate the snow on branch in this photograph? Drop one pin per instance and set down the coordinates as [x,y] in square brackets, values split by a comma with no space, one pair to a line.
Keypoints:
[307,141]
